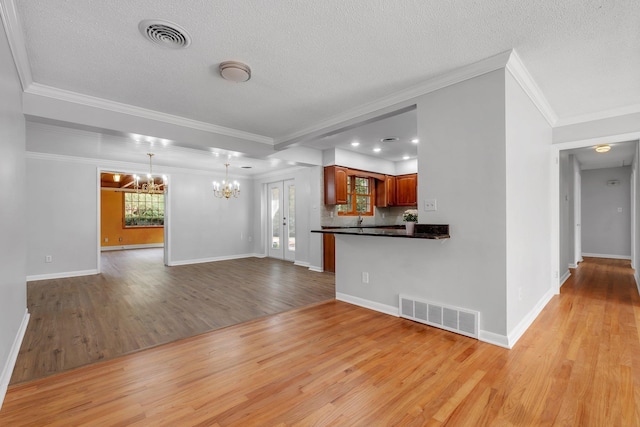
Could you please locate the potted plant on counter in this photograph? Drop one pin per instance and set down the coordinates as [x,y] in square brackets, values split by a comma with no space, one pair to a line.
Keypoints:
[410,216]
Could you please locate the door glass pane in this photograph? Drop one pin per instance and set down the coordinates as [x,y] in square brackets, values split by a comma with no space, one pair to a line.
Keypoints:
[292,218]
[275,218]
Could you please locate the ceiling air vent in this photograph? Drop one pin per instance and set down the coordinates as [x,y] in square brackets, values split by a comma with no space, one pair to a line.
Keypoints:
[164,33]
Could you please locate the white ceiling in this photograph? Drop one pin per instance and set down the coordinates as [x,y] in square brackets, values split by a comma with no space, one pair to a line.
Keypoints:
[313,60]
[621,154]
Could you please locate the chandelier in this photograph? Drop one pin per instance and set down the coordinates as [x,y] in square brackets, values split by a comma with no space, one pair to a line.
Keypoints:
[227,188]
[150,186]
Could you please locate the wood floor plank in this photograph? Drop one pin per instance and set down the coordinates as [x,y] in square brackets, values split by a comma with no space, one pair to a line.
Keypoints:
[338,364]
[137,303]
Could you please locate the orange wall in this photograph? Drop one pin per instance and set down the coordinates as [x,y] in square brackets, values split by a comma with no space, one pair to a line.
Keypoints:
[112,228]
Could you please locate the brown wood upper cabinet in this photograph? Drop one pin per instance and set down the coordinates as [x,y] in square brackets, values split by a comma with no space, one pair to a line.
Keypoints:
[386,192]
[335,185]
[407,190]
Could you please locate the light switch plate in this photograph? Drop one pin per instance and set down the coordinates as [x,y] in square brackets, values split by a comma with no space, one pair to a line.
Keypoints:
[430,205]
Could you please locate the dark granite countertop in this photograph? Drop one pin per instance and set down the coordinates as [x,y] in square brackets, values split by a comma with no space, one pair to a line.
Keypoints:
[422,231]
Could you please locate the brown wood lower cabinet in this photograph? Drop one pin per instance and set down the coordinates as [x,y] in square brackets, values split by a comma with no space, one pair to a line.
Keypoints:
[329,252]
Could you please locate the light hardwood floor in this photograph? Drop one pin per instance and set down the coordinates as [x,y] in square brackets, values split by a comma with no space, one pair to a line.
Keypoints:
[338,364]
[139,303]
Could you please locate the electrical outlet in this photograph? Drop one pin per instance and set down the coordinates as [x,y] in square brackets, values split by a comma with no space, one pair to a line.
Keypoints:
[365,277]
[48,258]
[430,205]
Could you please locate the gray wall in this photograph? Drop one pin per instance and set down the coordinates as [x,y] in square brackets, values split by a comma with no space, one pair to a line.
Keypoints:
[13,300]
[567,214]
[528,221]
[636,217]
[619,125]
[62,210]
[605,230]
[203,227]
[307,213]
[62,215]
[461,163]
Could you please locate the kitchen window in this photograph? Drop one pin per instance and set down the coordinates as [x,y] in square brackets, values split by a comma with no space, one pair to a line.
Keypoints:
[359,197]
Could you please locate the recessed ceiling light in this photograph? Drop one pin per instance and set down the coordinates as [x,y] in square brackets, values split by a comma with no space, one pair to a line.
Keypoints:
[405,157]
[377,150]
[355,143]
[415,140]
[235,71]
[602,148]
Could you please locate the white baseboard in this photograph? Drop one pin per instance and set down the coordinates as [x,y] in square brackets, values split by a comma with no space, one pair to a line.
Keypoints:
[63,275]
[125,247]
[493,338]
[488,337]
[565,277]
[212,259]
[301,263]
[524,324]
[573,265]
[316,269]
[13,356]
[372,305]
[606,256]
[637,277]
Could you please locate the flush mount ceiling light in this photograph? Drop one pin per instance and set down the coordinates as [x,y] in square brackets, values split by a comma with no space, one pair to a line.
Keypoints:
[164,33]
[602,148]
[235,71]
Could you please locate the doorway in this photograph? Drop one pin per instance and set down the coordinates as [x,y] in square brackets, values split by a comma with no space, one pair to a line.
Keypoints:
[281,227]
[129,215]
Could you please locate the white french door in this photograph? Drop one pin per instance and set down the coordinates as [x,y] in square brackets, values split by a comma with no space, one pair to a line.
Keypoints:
[281,226]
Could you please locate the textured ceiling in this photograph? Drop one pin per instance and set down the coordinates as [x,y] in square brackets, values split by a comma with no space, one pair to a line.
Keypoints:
[312,60]
[621,154]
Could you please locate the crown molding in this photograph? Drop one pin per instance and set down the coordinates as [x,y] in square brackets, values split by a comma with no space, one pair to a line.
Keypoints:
[521,74]
[118,107]
[438,82]
[17,45]
[600,115]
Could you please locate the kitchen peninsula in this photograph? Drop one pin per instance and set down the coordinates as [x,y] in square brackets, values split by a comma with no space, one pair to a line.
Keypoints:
[423,231]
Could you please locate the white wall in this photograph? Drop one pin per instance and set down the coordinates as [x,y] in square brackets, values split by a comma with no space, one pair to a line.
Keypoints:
[528,222]
[606,231]
[13,298]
